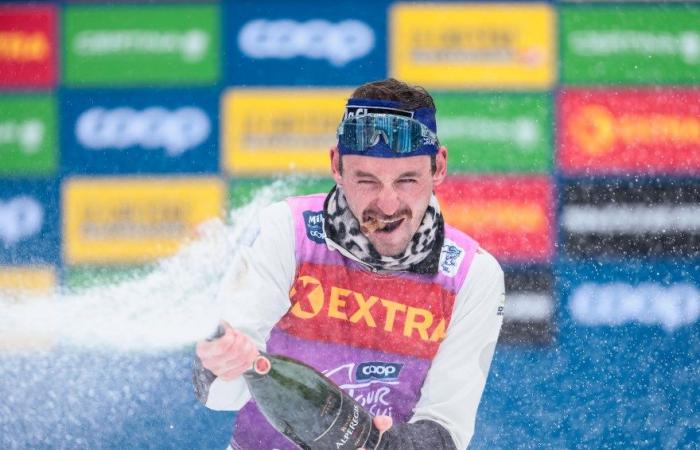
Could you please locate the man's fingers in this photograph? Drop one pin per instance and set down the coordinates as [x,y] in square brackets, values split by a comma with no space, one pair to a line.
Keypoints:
[383,423]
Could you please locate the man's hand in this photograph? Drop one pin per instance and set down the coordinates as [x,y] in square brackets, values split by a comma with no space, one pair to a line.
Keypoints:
[382,423]
[229,355]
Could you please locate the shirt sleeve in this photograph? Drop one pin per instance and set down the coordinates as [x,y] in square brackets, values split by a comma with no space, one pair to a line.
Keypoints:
[452,389]
[255,295]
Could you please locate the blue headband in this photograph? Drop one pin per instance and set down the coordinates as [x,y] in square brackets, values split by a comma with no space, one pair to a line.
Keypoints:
[361,106]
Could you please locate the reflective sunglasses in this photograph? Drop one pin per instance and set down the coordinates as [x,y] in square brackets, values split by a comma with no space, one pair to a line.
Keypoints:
[400,134]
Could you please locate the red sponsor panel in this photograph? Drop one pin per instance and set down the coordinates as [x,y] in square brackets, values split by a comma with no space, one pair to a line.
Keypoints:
[510,216]
[28,46]
[629,131]
[330,305]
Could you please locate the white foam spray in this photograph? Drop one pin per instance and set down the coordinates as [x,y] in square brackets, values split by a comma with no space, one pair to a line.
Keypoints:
[172,306]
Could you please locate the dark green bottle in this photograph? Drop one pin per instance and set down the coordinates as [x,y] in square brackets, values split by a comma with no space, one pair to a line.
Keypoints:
[308,408]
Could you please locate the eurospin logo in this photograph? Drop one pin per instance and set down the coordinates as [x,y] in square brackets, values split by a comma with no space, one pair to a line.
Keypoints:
[20,218]
[605,43]
[647,303]
[175,131]
[28,134]
[339,42]
[192,45]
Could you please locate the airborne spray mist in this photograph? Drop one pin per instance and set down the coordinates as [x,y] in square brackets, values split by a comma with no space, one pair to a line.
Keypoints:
[120,349]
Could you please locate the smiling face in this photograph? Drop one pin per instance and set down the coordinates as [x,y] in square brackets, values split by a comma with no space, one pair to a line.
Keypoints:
[388,196]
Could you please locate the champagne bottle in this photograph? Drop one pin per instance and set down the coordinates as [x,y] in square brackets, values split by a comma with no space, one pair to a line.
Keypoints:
[308,408]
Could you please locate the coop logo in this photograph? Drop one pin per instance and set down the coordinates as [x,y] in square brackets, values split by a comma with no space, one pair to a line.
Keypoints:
[309,300]
[372,393]
[28,134]
[378,371]
[154,128]
[600,43]
[339,43]
[22,46]
[614,304]
[20,218]
[524,132]
[314,226]
[192,45]
[597,130]
[450,258]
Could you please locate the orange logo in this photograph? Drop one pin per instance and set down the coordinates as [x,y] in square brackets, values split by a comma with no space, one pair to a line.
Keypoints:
[343,304]
[596,129]
[22,46]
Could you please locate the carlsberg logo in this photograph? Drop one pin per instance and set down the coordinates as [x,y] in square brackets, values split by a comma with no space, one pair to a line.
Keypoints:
[28,135]
[191,45]
[605,43]
[152,128]
[20,218]
[339,43]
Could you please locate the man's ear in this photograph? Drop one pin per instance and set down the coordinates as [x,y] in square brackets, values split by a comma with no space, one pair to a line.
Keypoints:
[440,166]
[335,166]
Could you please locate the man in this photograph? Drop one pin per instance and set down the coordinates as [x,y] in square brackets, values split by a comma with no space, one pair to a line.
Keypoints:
[368,285]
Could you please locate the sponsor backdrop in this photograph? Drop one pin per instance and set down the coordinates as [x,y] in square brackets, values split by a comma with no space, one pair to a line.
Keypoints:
[573,131]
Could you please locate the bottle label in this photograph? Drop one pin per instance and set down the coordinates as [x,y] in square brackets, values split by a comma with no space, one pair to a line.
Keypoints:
[350,429]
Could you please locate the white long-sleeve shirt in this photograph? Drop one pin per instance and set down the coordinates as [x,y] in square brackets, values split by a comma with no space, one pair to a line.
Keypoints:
[256,295]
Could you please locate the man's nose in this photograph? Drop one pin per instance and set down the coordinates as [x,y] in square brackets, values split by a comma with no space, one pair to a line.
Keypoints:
[388,201]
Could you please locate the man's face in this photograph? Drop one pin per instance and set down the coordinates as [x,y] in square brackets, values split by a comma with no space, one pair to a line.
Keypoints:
[388,196]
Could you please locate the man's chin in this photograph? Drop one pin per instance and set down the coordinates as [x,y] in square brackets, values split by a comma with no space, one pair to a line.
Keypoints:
[389,249]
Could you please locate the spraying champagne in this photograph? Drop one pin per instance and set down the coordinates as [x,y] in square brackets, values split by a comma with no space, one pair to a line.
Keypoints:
[307,407]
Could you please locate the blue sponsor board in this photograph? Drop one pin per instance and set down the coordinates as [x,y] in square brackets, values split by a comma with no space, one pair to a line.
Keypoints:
[623,370]
[285,43]
[29,228]
[139,131]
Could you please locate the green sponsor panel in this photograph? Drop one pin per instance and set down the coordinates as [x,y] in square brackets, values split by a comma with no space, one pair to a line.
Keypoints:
[131,45]
[496,132]
[77,278]
[642,44]
[28,136]
[243,190]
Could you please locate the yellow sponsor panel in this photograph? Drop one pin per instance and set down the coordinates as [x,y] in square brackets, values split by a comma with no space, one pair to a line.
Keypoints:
[20,288]
[110,220]
[448,45]
[277,130]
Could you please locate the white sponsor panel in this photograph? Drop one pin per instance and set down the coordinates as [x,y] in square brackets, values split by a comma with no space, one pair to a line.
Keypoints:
[630,218]
[605,43]
[339,43]
[522,131]
[192,44]
[153,128]
[528,307]
[28,134]
[21,217]
[648,303]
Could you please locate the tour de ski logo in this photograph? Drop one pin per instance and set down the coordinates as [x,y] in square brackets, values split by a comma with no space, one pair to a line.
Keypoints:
[369,383]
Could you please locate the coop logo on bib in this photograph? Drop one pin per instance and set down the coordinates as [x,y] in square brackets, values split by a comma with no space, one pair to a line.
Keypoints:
[378,371]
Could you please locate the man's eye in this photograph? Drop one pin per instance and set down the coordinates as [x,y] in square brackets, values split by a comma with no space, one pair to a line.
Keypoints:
[407,180]
[365,182]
